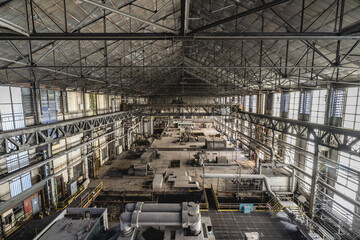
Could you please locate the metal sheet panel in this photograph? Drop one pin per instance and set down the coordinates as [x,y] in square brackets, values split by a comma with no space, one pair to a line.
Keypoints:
[27,204]
[35,205]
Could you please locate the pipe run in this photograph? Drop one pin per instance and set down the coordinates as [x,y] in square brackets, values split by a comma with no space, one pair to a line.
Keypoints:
[272,159]
[185,215]
[129,133]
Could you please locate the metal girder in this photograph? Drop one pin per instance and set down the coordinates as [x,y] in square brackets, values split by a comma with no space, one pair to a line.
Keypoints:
[179,67]
[174,37]
[130,16]
[240,15]
[353,28]
[30,137]
[12,26]
[178,109]
[341,139]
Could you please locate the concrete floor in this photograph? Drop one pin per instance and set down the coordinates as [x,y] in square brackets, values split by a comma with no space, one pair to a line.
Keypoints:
[121,182]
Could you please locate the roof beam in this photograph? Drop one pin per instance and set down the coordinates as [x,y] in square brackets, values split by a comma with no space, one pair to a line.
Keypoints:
[240,15]
[185,10]
[352,28]
[174,66]
[174,37]
[130,16]
[13,27]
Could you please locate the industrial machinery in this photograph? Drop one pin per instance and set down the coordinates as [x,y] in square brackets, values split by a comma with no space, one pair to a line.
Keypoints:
[170,221]
[140,169]
[199,159]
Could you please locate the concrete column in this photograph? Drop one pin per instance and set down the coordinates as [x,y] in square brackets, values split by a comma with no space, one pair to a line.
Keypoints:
[123,134]
[53,196]
[51,172]
[142,127]
[67,160]
[113,107]
[86,164]
[84,101]
[152,125]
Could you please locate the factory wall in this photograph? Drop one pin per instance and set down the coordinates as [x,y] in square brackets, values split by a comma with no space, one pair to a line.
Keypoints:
[19,107]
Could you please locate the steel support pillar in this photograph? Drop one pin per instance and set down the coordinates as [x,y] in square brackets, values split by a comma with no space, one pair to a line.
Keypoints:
[37,107]
[314,179]
[86,164]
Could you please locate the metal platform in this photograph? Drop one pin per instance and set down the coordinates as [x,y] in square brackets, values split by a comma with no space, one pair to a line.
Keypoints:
[233,225]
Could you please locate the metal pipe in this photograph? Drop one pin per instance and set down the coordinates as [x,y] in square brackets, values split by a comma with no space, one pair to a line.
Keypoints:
[174,215]
[243,176]
[154,207]
[251,139]
[337,192]
[129,131]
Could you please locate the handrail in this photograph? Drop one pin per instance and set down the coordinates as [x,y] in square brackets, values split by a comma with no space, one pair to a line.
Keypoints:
[92,195]
[68,200]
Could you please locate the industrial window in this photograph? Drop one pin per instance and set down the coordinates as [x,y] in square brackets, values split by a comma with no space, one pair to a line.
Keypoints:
[17,161]
[20,184]
[254,103]
[345,183]
[318,106]
[48,106]
[58,100]
[290,153]
[8,218]
[261,155]
[263,103]
[12,117]
[276,104]
[104,153]
[352,109]
[337,103]
[27,100]
[240,102]
[11,108]
[294,105]
[19,212]
[284,105]
[77,171]
[246,103]
[305,102]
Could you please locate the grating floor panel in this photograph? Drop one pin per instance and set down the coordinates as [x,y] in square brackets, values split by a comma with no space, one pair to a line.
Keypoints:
[233,225]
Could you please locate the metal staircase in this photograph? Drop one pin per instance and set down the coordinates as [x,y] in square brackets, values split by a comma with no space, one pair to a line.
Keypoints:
[275,206]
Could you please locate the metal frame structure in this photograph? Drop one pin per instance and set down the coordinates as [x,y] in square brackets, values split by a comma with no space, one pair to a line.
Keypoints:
[306,48]
[341,139]
[36,136]
[337,138]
